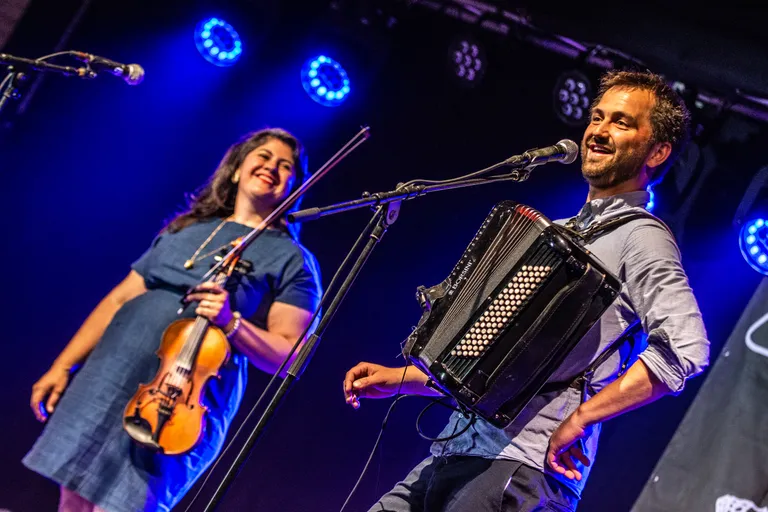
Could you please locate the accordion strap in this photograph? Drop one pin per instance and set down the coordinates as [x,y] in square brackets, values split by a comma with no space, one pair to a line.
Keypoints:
[583,381]
[628,336]
[602,227]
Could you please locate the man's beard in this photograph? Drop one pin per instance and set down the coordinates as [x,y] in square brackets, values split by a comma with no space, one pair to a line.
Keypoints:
[614,173]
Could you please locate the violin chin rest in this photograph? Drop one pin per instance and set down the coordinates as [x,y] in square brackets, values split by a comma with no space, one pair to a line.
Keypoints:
[140,431]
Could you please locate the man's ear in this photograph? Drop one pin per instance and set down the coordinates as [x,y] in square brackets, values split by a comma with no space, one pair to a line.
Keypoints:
[658,154]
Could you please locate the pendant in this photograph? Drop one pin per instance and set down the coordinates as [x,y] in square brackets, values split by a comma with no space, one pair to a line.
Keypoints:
[188,264]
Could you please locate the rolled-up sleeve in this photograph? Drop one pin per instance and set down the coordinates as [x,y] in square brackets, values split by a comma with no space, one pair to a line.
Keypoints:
[678,348]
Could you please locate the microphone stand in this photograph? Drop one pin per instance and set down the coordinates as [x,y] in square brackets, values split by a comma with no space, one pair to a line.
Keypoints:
[403,194]
[17,67]
[11,90]
[41,65]
[283,207]
[387,211]
[15,76]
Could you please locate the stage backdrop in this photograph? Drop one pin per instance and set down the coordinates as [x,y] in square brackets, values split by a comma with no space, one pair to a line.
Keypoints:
[718,458]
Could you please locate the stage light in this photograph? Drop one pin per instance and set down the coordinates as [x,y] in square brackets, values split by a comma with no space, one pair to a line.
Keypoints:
[572,98]
[753,242]
[752,223]
[468,60]
[325,81]
[651,204]
[218,42]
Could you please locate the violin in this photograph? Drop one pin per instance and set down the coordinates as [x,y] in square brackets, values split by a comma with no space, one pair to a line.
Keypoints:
[167,414]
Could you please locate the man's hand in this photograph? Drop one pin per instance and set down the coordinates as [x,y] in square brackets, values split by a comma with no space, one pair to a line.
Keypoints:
[565,447]
[375,381]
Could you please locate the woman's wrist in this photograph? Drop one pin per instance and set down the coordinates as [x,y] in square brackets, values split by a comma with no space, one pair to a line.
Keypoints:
[233,325]
[63,365]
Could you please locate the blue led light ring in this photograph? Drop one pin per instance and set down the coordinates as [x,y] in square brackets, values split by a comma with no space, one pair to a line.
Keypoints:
[325,80]
[218,42]
[753,242]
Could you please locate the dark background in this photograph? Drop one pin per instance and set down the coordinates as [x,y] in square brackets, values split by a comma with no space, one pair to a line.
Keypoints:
[92,168]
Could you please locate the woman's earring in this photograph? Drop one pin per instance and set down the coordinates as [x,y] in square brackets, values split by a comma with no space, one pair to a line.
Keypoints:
[236,177]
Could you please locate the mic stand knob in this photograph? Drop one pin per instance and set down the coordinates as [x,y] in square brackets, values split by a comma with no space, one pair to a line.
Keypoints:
[11,90]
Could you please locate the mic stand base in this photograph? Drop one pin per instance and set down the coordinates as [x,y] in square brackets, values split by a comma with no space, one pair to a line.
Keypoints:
[387,214]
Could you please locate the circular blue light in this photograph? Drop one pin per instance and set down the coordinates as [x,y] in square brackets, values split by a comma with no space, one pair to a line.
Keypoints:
[325,80]
[218,42]
[753,242]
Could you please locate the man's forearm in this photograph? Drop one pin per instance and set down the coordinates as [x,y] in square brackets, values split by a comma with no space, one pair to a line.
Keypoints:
[637,387]
[415,383]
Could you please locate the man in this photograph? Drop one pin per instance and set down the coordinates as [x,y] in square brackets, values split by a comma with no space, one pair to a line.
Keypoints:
[541,460]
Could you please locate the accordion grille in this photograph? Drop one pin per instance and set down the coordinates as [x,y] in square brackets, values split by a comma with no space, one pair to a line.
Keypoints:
[496,315]
[482,307]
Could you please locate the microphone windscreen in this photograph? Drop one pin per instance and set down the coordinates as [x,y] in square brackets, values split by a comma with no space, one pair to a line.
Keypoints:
[135,74]
[571,150]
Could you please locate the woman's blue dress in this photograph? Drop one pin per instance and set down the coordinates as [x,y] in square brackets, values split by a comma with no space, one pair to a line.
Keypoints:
[84,447]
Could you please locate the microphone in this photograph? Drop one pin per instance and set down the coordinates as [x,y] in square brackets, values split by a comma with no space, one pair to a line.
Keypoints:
[133,74]
[564,152]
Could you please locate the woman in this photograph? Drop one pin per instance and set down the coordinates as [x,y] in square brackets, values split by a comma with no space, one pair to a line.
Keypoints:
[263,313]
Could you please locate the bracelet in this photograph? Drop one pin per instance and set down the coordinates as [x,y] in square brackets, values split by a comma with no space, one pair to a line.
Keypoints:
[235,327]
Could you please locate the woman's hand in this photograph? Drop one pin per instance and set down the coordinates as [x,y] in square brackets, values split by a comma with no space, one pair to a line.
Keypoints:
[213,303]
[50,385]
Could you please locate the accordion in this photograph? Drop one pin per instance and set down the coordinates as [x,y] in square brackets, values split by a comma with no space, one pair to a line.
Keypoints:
[523,294]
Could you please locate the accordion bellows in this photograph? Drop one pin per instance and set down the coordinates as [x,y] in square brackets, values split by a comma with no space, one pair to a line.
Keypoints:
[516,304]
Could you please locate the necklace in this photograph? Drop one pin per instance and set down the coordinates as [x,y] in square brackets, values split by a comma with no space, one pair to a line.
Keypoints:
[191,261]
